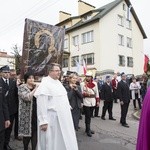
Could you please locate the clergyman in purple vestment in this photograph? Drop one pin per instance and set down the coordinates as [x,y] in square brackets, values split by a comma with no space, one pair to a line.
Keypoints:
[143,139]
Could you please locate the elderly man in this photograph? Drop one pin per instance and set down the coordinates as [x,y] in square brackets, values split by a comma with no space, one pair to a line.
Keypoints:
[55,124]
[90,100]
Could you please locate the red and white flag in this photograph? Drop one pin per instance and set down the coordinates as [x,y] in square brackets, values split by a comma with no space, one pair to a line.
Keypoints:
[146,61]
[84,67]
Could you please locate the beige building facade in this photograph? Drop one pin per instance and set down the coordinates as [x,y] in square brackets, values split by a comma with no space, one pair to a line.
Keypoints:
[6,59]
[109,39]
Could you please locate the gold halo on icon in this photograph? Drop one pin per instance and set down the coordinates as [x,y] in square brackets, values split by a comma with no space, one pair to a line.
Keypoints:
[52,41]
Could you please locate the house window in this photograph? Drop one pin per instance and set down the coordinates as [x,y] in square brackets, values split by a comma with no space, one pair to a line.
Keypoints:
[88,58]
[121,60]
[128,24]
[129,13]
[66,44]
[65,26]
[87,37]
[129,61]
[120,20]
[65,62]
[75,40]
[124,7]
[74,61]
[121,39]
[129,42]
[87,17]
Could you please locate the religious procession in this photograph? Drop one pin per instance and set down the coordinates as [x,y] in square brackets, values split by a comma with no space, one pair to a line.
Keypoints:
[73,87]
[48,113]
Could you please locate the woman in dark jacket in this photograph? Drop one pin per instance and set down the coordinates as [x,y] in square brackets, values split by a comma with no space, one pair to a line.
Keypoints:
[75,99]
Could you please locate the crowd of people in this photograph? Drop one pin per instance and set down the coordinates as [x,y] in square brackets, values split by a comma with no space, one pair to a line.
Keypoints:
[48,113]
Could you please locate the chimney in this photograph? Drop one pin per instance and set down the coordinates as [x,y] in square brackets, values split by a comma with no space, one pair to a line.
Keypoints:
[63,16]
[84,7]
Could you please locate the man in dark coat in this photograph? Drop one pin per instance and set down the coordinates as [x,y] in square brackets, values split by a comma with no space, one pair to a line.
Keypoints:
[13,76]
[107,96]
[4,116]
[124,97]
[11,95]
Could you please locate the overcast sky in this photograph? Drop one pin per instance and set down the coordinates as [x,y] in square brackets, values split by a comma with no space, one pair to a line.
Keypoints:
[14,12]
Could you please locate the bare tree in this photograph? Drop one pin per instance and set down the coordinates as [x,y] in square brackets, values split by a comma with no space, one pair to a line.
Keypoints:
[16,52]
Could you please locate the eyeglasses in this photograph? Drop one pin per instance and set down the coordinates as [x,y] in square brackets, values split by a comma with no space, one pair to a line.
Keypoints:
[6,72]
[56,70]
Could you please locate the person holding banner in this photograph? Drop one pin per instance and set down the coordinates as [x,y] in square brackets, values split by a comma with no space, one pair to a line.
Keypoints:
[27,126]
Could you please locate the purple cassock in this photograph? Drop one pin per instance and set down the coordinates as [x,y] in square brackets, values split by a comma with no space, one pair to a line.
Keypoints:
[143,139]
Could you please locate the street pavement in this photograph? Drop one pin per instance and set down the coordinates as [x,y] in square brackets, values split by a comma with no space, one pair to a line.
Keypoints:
[110,135]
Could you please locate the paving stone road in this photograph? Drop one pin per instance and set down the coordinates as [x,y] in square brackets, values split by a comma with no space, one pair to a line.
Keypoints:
[110,135]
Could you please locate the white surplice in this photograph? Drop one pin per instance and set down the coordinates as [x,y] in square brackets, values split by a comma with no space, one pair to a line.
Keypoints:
[53,109]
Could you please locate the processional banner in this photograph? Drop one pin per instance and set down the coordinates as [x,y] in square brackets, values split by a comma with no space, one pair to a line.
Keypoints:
[42,44]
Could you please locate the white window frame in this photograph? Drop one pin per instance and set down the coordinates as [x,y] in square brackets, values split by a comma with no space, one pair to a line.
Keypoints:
[120,20]
[130,61]
[120,39]
[124,7]
[65,62]
[87,17]
[65,43]
[74,61]
[75,40]
[121,62]
[88,56]
[87,37]
[129,42]
[128,24]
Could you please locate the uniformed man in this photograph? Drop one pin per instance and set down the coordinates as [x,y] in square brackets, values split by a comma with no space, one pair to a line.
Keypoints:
[10,90]
[4,116]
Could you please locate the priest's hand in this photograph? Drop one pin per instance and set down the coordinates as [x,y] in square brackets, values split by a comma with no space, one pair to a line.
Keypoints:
[121,103]
[7,123]
[44,127]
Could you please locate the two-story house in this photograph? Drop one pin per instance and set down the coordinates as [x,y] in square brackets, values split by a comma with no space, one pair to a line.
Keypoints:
[109,39]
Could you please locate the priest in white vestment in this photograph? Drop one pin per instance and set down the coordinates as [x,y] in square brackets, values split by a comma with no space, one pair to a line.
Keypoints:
[55,124]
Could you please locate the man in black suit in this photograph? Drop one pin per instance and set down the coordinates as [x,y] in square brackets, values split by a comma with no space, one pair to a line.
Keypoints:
[124,96]
[107,96]
[13,76]
[11,96]
[4,117]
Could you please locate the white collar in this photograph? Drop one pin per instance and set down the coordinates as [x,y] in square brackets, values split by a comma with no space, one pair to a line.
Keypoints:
[5,80]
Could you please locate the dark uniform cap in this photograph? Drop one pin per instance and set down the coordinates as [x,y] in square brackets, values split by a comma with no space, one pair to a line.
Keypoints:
[107,77]
[122,74]
[5,68]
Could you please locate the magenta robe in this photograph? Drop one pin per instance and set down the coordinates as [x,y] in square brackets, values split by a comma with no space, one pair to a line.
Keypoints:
[143,139]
